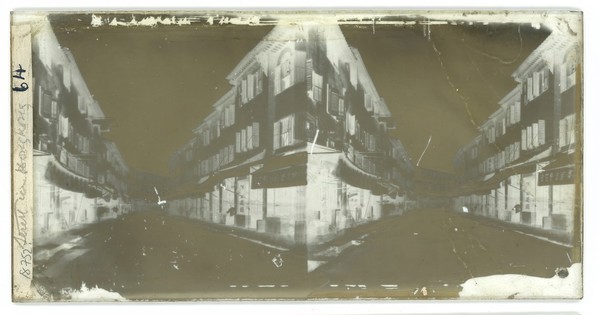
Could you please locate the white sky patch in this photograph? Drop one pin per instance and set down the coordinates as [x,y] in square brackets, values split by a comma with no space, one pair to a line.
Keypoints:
[552,20]
[525,287]
[95,294]
[98,20]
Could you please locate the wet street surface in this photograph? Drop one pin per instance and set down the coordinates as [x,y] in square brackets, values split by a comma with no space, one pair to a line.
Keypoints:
[421,254]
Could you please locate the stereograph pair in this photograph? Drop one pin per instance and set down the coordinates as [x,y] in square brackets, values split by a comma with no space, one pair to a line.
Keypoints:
[182,155]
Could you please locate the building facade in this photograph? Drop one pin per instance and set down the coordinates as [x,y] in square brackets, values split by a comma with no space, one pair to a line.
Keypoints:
[525,165]
[298,149]
[433,188]
[79,176]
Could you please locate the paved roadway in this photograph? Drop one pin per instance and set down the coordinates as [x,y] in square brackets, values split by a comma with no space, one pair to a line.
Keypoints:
[422,254]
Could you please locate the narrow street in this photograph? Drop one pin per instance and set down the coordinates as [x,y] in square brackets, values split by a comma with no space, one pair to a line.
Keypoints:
[437,250]
[152,255]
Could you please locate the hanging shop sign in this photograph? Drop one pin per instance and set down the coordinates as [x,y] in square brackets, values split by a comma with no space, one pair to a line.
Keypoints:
[560,176]
[284,177]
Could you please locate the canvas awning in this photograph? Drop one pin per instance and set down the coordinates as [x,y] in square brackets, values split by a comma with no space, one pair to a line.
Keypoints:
[282,171]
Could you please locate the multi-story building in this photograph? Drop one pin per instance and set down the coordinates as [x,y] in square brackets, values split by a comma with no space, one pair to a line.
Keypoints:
[524,166]
[78,176]
[299,148]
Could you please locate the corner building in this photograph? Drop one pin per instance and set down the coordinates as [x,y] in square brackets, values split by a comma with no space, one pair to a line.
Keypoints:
[524,166]
[298,150]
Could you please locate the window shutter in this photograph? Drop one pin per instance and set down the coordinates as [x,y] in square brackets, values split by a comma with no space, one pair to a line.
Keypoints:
[368,103]
[250,88]
[309,74]
[291,128]
[535,136]
[284,132]
[46,104]
[259,82]
[536,84]
[255,134]
[276,135]
[54,109]
[542,132]
[277,80]
[244,92]
[571,129]
[545,79]
[563,77]
[249,137]
[523,139]
[529,88]
[244,140]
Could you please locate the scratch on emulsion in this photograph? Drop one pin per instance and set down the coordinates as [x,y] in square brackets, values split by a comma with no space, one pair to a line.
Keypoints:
[496,58]
[462,97]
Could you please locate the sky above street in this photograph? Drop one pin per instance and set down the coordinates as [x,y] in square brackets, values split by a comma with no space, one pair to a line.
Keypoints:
[156,84]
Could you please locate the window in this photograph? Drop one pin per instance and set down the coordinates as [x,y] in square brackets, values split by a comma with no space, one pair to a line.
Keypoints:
[309,75]
[203,168]
[244,92]
[350,124]
[283,132]
[250,86]
[500,127]
[244,139]
[255,134]
[67,77]
[567,75]
[529,135]
[48,107]
[474,152]
[227,117]
[541,132]
[230,116]
[317,87]
[238,144]
[368,103]
[284,75]
[491,134]
[529,86]
[335,103]
[533,136]
[537,83]
[206,136]
[222,115]
[249,138]
[216,130]
[566,133]
[81,104]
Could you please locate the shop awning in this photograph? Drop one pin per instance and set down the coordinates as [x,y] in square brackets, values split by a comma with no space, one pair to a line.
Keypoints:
[69,180]
[353,175]
[282,171]
[493,180]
